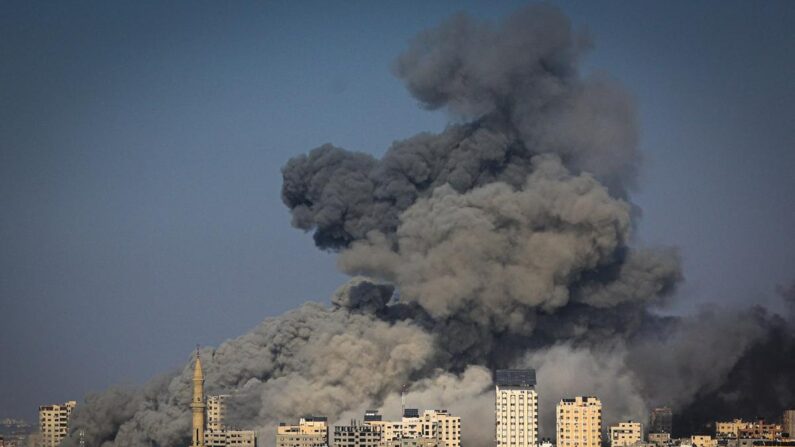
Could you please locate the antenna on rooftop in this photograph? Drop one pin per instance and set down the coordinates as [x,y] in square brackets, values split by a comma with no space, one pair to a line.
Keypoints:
[403,400]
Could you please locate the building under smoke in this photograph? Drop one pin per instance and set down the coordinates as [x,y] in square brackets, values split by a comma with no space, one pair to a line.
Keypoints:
[516,408]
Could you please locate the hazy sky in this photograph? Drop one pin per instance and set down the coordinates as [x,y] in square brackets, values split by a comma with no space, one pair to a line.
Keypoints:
[141,142]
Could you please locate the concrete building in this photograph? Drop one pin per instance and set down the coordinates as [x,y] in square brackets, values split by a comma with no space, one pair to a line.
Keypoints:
[411,442]
[230,438]
[54,423]
[661,420]
[730,430]
[760,430]
[659,439]
[356,435]
[516,408]
[788,424]
[703,441]
[625,434]
[579,422]
[442,426]
[437,425]
[311,431]
[216,409]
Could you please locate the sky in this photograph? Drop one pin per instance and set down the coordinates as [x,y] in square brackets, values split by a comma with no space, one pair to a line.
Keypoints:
[141,145]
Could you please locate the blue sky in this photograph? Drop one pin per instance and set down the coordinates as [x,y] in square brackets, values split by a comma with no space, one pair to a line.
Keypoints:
[142,141]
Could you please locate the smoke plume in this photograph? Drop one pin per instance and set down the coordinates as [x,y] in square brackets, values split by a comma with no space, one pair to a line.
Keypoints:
[503,241]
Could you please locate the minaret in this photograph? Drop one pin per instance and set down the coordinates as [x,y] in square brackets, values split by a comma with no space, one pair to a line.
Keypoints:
[197,406]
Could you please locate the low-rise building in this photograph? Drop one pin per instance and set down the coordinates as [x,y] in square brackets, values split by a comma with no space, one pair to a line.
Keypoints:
[730,430]
[703,441]
[760,430]
[230,438]
[625,434]
[356,435]
[659,439]
[311,431]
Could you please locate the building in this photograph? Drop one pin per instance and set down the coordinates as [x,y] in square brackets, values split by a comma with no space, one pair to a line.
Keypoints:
[218,434]
[659,439]
[230,438]
[516,408]
[760,430]
[356,435]
[703,441]
[625,434]
[54,423]
[579,422]
[788,423]
[311,431]
[437,425]
[442,426]
[730,430]
[216,409]
[661,420]
[390,430]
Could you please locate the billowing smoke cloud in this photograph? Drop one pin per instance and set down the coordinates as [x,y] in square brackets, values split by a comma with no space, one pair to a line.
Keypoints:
[503,241]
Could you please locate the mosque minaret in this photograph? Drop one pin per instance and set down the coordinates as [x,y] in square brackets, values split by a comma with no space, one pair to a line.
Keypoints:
[197,404]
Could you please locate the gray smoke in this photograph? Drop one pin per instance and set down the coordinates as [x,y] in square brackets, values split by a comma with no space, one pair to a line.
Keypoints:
[503,241]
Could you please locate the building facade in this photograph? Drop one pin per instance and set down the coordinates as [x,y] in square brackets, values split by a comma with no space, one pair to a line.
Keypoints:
[659,439]
[625,434]
[54,423]
[579,422]
[788,423]
[703,441]
[356,435]
[730,430]
[230,438]
[311,431]
[516,408]
[661,420]
[760,430]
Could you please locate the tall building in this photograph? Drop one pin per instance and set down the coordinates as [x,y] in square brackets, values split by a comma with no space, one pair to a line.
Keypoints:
[579,422]
[516,408]
[54,423]
[625,434]
[216,408]
[356,435]
[197,405]
[788,423]
[218,434]
[311,431]
[661,420]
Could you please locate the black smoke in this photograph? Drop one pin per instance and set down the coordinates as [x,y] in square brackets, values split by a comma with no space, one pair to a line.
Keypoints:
[506,240]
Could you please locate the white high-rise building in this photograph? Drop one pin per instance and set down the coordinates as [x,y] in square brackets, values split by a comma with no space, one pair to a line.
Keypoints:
[516,408]
[54,423]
